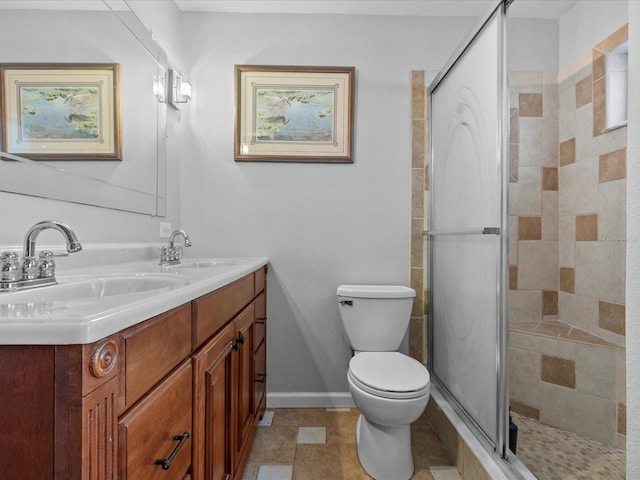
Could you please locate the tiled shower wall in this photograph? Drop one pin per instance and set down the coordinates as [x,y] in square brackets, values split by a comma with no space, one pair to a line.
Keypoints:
[567,250]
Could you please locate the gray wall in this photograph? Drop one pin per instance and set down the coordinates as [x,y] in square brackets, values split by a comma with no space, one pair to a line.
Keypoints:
[320,225]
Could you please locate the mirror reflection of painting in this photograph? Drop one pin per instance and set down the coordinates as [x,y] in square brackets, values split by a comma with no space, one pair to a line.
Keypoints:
[295,115]
[59,112]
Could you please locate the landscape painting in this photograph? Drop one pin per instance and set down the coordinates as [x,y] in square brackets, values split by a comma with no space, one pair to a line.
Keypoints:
[61,111]
[294,114]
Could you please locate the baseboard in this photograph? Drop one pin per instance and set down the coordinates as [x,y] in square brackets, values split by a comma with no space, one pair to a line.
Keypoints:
[309,400]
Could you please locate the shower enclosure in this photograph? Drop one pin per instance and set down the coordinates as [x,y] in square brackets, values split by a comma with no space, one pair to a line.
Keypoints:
[467,231]
[526,232]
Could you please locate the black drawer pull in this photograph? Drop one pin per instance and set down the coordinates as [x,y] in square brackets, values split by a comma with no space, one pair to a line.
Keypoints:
[261,377]
[166,463]
[262,320]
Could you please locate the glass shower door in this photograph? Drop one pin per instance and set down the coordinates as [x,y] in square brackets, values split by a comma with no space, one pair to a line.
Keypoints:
[467,281]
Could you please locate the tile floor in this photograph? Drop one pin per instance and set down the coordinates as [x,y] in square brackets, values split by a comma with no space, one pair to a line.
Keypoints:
[319,444]
[553,454]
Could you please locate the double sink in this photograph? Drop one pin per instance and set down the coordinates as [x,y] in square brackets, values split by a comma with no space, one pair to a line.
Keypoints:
[91,303]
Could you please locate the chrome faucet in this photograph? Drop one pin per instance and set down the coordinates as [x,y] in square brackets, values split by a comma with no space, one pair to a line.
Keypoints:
[34,272]
[170,255]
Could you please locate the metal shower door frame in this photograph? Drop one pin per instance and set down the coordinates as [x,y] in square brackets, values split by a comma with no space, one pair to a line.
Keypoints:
[500,446]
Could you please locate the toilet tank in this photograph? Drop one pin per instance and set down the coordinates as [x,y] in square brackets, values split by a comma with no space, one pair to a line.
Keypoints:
[375,317]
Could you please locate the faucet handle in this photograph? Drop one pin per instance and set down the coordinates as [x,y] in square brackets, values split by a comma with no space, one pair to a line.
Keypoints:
[30,268]
[47,266]
[10,270]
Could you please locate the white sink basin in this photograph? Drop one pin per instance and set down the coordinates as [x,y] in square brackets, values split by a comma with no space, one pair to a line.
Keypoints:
[204,263]
[78,288]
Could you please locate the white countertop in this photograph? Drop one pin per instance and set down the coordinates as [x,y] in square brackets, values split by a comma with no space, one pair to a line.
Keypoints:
[30,318]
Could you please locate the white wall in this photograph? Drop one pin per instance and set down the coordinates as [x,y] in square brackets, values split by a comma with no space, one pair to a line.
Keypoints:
[320,224]
[633,247]
[586,24]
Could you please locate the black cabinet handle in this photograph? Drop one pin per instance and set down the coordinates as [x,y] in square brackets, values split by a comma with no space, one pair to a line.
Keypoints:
[239,341]
[261,378]
[166,463]
[262,320]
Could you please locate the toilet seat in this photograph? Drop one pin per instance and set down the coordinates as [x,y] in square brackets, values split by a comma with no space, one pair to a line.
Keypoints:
[389,375]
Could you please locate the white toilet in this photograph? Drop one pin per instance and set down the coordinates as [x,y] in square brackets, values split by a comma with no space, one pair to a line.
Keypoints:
[390,389]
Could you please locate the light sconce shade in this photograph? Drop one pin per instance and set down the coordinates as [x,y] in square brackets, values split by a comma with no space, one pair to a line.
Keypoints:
[179,88]
[160,88]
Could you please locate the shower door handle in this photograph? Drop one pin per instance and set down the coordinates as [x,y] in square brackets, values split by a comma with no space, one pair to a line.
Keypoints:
[464,231]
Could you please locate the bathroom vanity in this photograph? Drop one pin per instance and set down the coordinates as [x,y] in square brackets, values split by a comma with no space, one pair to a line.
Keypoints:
[127,395]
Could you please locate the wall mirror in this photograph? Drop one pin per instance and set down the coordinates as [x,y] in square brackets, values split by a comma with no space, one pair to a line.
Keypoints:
[92,32]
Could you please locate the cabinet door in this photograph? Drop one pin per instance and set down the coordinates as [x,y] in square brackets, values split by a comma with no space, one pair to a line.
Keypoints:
[260,380]
[212,370]
[243,381]
[159,429]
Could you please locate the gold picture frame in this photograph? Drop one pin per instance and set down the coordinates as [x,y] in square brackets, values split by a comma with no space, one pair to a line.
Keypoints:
[61,111]
[294,113]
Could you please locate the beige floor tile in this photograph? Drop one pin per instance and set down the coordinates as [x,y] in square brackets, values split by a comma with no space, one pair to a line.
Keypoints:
[274,445]
[299,417]
[427,449]
[341,426]
[324,462]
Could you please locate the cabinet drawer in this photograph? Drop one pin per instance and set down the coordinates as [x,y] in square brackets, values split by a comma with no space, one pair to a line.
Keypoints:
[213,311]
[148,431]
[152,350]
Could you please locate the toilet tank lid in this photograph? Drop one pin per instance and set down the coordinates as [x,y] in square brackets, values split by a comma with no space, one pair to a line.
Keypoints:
[376,291]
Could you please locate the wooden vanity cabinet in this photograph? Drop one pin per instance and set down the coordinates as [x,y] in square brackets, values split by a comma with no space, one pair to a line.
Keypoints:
[110,409]
[224,371]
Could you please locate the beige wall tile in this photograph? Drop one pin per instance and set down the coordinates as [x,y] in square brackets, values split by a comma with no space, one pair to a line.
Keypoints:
[530,228]
[538,142]
[567,243]
[550,179]
[513,277]
[472,469]
[595,371]
[525,197]
[584,414]
[417,192]
[611,316]
[586,199]
[530,104]
[609,142]
[525,306]
[613,166]
[612,212]
[567,279]
[514,125]
[513,239]
[417,276]
[550,303]
[537,265]
[417,254]
[525,410]
[599,68]
[542,345]
[579,311]
[567,152]
[621,424]
[550,215]
[568,191]
[599,107]
[559,371]
[530,82]
[614,39]
[418,143]
[599,271]
[567,113]
[587,228]
[524,377]
[584,91]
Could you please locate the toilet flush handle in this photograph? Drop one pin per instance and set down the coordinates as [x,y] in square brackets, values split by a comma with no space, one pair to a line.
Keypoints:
[346,302]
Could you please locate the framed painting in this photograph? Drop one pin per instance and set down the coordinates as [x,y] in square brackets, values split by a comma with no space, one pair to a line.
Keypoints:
[61,111]
[294,114]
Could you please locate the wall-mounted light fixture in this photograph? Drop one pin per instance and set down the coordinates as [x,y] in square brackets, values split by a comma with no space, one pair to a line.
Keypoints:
[160,87]
[179,88]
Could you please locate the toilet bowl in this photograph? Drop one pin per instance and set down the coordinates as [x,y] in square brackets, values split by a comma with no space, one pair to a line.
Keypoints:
[390,389]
